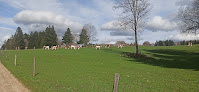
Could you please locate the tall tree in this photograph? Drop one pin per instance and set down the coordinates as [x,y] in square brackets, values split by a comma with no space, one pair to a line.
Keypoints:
[42,39]
[189,16]
[133,15]
[51,36]
[19,38]
[26,37]
[33,40]
[84,39]
[67,38]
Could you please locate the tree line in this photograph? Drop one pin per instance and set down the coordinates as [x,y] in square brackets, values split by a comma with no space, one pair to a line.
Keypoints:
[164,43]
[39,39]
[186,42]
[172,43]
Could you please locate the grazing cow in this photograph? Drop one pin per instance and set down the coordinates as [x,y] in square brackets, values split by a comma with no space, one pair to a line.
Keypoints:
[54,47]
[73,47]
[46,47]
[67,47]
[57,46]
[17,48]
[98,47]
[120,46]
[78,47]
[107,46]
[190,44]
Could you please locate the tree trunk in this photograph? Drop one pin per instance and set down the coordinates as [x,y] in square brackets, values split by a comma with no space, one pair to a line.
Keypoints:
[136,42]
[135,26]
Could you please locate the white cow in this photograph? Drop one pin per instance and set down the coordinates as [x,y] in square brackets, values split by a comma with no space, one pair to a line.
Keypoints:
[190,44]
[73,47]
[54,47]
[98,47]
[120,46]
[78,47]
[46,47]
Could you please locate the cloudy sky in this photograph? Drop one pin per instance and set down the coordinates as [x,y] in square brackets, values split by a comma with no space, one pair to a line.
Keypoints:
[36,15]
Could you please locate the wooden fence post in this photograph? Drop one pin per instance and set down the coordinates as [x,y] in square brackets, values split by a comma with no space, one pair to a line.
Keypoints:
[15,60]
[34,67]
[117,75]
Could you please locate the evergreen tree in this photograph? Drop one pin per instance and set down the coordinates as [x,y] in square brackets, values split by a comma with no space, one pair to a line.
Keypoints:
[67,38]
[33,40]
[42,39]
[51,36]
[84,37]
[166,43]
[19,40]
[156,43]
[26,37]
[161,43]
[171,43]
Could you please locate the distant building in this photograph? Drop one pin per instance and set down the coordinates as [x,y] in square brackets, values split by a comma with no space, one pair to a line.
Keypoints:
[120,43]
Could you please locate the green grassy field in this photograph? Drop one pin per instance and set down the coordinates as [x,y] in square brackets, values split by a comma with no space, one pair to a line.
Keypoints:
[163,69]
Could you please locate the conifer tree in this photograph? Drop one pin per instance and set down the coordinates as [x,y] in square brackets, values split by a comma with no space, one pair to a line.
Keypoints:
[67,38]
[51,36]
[18,37]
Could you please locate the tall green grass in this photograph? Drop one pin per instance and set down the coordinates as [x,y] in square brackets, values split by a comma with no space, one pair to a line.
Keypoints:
[165,69]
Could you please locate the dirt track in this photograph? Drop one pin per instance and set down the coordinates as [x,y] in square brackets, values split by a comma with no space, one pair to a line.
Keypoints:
[8,83]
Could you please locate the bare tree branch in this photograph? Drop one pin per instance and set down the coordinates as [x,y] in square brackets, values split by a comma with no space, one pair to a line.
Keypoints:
[133,15]
[189,15]
[91,32]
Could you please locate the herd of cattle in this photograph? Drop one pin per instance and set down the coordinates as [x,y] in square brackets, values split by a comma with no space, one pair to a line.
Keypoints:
[77,47]
[97,47]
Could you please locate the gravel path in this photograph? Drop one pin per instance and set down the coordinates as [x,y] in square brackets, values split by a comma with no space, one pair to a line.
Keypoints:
[8,83]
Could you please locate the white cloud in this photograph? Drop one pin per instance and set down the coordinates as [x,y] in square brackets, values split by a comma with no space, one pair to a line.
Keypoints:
[160,24]
[42,17]
[39,20]
[157,23]
[111,26]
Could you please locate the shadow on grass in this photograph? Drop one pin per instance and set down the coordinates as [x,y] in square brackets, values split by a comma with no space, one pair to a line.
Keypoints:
[167,58]
[109,50]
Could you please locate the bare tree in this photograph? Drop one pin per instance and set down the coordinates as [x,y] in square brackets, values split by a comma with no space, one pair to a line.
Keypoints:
[133,15]
[75,37]
[91,32]
[189,16]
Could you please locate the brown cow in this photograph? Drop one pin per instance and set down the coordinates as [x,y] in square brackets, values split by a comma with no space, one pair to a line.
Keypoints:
[107,46]
[67,47]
